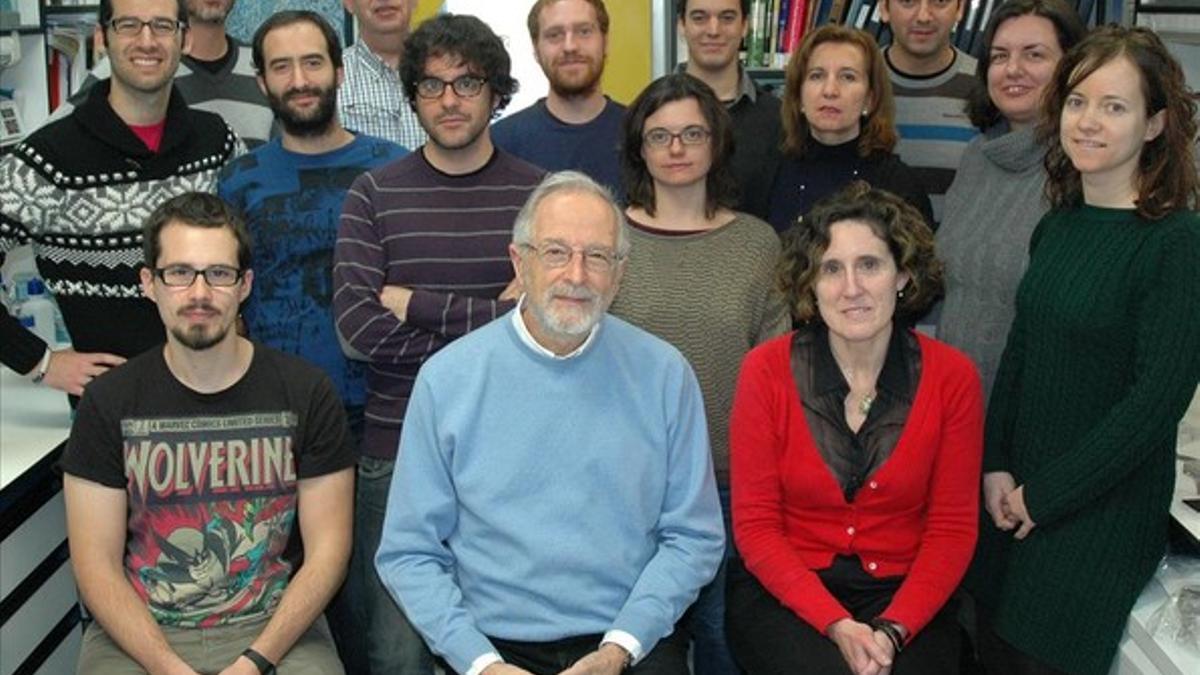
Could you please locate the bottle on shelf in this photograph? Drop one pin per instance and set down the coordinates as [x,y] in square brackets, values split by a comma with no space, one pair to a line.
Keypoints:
[37,312]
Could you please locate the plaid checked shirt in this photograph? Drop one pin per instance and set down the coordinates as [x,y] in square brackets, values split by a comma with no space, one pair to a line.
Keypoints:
[371,100]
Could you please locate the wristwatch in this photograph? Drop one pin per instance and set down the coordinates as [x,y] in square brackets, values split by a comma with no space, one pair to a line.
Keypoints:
[265,667]
[42,367]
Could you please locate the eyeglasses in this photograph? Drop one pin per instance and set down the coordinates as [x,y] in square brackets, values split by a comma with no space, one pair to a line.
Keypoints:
[659,137]
[131,26]
[466,86]
[182,276]
[598,260]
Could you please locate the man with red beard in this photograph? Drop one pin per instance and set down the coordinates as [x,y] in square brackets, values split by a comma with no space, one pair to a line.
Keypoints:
[575,126]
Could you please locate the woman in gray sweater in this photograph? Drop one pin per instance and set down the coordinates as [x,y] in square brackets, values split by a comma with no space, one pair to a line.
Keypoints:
[996,198]
[700,276]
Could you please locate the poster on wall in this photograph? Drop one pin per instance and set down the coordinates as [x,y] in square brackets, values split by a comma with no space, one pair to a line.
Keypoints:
[247,16]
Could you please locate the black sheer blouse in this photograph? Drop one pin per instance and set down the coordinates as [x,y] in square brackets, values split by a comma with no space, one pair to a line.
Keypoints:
[853,457]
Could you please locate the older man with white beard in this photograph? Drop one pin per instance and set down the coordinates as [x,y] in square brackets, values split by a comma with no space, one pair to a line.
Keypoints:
[553,508]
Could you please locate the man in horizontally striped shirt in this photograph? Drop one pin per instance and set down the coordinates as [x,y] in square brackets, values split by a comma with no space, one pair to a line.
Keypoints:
[421,259]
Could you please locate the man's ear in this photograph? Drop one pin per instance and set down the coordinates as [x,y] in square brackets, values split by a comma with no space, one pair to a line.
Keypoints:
[247,284]
[146,275]
[514,256]
[262,83]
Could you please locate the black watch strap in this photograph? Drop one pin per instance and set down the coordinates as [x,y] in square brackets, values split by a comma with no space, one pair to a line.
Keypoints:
[265,667]
[891,631]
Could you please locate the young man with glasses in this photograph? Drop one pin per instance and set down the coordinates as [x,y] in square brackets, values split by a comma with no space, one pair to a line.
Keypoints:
[79,189]
[214,75]
[553,508]
[199,474]
[575,126]
[420,260]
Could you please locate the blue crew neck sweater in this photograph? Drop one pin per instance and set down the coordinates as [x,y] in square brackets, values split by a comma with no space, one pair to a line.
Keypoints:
[536,498]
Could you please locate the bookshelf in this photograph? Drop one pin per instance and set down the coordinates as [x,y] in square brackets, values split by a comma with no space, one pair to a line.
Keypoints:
[778,26]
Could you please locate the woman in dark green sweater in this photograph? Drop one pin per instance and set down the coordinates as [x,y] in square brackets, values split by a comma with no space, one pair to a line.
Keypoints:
[1101,362]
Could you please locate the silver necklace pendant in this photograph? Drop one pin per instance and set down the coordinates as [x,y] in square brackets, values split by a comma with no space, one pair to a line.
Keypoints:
[864,404]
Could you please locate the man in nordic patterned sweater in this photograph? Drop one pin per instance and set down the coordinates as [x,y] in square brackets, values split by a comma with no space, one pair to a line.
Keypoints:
[78,190]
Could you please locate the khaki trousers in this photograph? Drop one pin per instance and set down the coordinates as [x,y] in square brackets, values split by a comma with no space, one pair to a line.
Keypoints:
[211,650]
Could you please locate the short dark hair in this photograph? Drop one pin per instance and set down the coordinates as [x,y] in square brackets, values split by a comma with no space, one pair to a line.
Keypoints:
[983,112]
[194,209]
[287,18]
[899,224]
[720,185]
[106,13]
[878,133]
[466,37]
[681,8]
[1166,179]
[534,25]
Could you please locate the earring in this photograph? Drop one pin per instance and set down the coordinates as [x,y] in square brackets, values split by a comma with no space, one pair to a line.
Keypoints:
[900,293]
[866,112]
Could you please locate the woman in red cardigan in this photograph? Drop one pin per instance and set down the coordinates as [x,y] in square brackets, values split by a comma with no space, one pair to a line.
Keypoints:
[855,455]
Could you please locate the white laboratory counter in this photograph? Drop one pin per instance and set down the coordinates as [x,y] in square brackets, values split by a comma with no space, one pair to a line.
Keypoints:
[33,421]
[39,612]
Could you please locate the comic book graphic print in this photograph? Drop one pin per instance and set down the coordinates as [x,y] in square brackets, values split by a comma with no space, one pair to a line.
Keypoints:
[212,503]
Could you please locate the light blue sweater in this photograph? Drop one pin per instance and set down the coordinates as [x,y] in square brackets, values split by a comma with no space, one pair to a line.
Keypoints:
[536,499]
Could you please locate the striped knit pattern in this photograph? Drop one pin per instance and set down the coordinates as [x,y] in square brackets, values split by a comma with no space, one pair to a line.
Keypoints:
[232,93]
[712,295]
[1100,365]
[931,118]
[444,236]
[991,210]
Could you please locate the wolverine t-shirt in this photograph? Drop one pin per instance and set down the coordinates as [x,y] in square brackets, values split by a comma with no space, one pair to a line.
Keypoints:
[210,478]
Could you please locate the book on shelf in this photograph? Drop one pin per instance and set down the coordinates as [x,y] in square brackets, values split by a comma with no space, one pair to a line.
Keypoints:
[777,27]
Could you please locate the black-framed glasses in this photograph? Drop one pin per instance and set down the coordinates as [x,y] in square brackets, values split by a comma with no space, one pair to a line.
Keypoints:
[182,276]
[596,259]
[131,26]
[465,86]
[659,137]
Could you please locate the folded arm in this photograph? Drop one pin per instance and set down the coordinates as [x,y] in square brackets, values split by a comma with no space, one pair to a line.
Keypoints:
[385,322]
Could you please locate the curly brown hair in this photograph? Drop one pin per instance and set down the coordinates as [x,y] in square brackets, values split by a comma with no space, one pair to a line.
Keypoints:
[899,224]
[878,128]
[1166,178]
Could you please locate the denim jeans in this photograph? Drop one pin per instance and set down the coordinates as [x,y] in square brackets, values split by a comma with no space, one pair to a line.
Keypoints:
[393,646]
[706,617]
[345,613]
